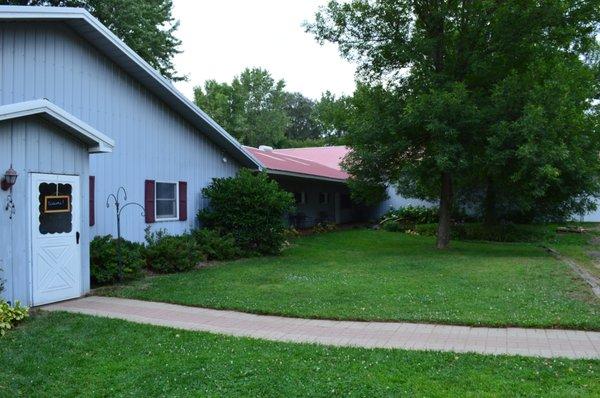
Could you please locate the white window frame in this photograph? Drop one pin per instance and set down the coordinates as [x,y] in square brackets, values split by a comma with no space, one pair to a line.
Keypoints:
[156,216]
[326,196]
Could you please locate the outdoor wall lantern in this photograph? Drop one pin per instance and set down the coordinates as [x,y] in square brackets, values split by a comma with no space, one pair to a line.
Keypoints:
[9,179]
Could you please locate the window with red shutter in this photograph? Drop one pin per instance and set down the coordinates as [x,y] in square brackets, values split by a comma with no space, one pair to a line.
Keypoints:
[92,188]
[182,200]
[149,201]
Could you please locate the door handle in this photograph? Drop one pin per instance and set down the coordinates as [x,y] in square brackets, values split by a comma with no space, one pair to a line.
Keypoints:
[77,235]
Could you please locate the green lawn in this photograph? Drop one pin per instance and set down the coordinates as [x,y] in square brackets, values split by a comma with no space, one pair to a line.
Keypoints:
[59,354]
[578,247]
[378,275]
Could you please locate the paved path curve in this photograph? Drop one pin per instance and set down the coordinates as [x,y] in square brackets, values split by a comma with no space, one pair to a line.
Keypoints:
[513,341]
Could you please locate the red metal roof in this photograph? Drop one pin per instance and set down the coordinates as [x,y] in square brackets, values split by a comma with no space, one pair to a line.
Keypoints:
[322,162]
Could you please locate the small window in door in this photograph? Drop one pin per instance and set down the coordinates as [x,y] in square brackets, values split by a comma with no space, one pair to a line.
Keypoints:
[55,211]
[166,201]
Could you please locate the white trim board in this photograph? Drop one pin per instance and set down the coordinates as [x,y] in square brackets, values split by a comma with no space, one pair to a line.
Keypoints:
[301,175]
[97,142]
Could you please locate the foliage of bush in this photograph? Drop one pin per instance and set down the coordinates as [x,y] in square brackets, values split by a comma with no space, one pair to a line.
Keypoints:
[414,214]
[291,233]
[324,227]
[104,265]
[9,316]
[406,218]
[250,207]
[426,229]
[166,253]
[215,246]
[492,233]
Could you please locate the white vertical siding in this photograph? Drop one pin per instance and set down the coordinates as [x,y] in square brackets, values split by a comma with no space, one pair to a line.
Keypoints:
[49,60]
[396,201]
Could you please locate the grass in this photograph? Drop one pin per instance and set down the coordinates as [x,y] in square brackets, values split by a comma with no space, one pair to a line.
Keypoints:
[60,354]
[378,275]
[578,247]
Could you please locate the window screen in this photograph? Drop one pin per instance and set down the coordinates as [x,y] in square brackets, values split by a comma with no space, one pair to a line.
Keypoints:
[166,200]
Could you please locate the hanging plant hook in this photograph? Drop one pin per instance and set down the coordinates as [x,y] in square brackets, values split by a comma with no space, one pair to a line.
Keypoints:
[118,210]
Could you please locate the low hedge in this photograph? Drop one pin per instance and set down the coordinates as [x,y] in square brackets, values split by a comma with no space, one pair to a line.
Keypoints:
[492,233]
[162,253]
[166,253]
[407,217]
[104,261]
[215,246]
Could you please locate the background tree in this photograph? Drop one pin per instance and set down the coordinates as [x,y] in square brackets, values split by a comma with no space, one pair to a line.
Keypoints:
[147,26]
[333,114]
[251,108]
[304,124]
[441,65]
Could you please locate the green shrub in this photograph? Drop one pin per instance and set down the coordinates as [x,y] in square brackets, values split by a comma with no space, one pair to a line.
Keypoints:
[215,246]
[251,207]
[426,229]
[9,316]
[104,264]
[492,233]
[406,218]
[166,253]
[415,214]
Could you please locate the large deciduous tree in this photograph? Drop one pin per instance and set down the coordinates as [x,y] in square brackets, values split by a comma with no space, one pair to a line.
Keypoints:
[251,108]
[147,26]
[472,95]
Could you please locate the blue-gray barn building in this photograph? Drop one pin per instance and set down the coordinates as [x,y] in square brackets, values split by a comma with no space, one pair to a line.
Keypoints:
[81,115]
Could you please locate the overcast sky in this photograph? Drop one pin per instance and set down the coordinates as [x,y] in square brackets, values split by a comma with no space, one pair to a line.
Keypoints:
[222,37]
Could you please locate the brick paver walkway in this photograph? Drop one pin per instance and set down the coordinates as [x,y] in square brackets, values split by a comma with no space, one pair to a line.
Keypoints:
[412,336]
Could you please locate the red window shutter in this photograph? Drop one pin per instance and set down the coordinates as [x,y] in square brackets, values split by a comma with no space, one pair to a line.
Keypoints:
[149,200]
[182,200]
[92,188]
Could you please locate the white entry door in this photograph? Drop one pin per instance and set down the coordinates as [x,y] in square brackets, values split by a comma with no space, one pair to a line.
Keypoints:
[55,236]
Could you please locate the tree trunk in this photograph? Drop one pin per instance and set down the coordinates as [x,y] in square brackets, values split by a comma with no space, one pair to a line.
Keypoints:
[489,211]
[445,215]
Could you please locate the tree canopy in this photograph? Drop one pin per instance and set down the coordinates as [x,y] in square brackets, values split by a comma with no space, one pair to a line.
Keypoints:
[257,110]
[472,99]
[147,26]
[251,108]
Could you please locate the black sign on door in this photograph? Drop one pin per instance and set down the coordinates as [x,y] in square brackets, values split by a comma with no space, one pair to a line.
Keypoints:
[57,204]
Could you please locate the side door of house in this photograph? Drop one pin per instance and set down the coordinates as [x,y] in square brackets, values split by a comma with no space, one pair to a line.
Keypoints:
[55,234]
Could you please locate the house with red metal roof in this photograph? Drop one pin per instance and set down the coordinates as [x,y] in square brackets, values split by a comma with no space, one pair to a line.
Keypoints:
[315,176]
[316,179]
